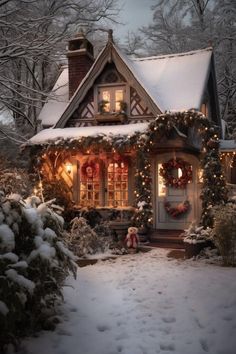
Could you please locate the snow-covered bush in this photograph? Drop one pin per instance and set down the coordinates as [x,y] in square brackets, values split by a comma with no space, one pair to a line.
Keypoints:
[84,240]
[224,232]
[13,180]
[34,262]
[59,190]
[197,234]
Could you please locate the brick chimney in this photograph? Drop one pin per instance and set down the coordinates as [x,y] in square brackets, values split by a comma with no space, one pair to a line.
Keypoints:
[80,59]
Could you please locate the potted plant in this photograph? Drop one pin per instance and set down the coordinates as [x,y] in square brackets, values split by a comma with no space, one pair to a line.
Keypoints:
[123,107]
[195,239]
[119,222]
[101,106]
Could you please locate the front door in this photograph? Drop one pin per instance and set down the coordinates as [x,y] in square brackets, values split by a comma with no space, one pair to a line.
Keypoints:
[170,200]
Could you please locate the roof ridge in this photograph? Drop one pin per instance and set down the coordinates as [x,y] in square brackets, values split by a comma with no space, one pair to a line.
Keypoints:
[192,52]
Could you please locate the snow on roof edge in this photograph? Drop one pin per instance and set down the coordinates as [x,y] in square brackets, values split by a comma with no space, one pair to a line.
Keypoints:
[53,134]
[161,56]
[126,61]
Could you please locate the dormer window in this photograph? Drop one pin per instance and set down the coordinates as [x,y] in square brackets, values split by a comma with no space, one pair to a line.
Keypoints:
[111,99]
[111,103]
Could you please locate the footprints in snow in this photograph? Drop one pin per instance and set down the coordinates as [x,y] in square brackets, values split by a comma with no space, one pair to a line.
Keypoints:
[168,319]
[103,327]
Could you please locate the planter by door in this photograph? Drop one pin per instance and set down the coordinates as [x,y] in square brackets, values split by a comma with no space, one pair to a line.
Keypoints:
[120,228]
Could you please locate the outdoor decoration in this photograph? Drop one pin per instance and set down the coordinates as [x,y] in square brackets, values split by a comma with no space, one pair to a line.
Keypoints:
[144,213]
[214,191]
[175,164]
[196,238]
[89,169]
[178,211]
[131,240]
[102,106]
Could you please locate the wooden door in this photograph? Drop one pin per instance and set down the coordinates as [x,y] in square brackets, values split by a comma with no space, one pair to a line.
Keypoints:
[176,196]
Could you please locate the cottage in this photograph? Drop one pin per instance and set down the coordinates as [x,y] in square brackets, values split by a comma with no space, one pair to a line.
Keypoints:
[125,132]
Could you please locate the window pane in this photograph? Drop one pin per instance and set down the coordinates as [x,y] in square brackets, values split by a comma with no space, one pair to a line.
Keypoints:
[119,96]
[89,184]
[117,184]
[106,96]
[161,183]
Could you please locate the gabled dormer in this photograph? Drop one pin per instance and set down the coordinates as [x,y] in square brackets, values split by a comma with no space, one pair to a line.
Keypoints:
[115,89]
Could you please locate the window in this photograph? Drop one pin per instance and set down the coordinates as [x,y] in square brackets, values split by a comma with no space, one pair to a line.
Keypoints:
[233,170]
[117,184]
[111,99]
[161,183]
[204,109]
[102,183]
[89,184]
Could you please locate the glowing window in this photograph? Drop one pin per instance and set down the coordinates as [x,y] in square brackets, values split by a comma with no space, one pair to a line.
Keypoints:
[89,185]
[118,98]
[106,97]
[117,184]
[204,109]
[161,183]
[111,99]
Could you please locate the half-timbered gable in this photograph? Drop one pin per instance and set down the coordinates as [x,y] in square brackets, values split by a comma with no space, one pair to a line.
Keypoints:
[119,122]
[83,116]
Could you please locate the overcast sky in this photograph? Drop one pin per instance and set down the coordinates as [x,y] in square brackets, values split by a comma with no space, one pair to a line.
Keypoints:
[134,14]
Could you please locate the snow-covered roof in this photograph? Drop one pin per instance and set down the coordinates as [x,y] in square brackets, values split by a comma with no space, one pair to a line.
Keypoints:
[227,145]
[52,134]
[175,82]
[59,98]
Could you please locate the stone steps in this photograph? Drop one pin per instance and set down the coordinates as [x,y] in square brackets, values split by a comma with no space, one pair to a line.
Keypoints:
[166,239]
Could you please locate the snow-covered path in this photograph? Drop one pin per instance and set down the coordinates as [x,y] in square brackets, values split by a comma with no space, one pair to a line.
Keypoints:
[146,304]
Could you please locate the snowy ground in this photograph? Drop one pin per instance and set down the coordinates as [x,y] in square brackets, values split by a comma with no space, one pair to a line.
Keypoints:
[145,304]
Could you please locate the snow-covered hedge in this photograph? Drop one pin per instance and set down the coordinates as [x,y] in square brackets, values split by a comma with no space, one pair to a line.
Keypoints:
[224,232]
[34,262]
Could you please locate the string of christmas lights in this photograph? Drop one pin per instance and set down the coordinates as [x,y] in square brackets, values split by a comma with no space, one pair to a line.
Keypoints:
[214,189]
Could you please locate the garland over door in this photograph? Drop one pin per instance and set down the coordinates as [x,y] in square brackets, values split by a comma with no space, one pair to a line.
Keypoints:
[176,207]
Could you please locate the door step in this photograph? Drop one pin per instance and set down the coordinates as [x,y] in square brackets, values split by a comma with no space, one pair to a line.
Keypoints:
[166,239]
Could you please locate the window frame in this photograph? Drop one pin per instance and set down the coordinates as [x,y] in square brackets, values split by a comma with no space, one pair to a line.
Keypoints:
[125,201]
[112,88]
[103,185]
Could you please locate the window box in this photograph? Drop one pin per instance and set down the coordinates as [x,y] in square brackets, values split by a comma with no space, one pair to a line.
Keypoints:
[110,117]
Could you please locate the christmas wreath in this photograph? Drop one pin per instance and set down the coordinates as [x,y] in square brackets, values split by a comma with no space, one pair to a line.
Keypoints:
[89,169]
[177,211]
[166,172]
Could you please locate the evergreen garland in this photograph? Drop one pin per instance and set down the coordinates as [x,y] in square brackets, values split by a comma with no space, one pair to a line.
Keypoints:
[214,189]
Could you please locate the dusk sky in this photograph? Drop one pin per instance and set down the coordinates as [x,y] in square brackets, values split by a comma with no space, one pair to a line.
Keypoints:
[134,13]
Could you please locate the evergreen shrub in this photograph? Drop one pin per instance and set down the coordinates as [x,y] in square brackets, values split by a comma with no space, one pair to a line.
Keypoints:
[34,262]
[224,232]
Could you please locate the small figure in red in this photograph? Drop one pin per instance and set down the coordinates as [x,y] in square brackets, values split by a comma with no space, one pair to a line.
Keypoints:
[131,240]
